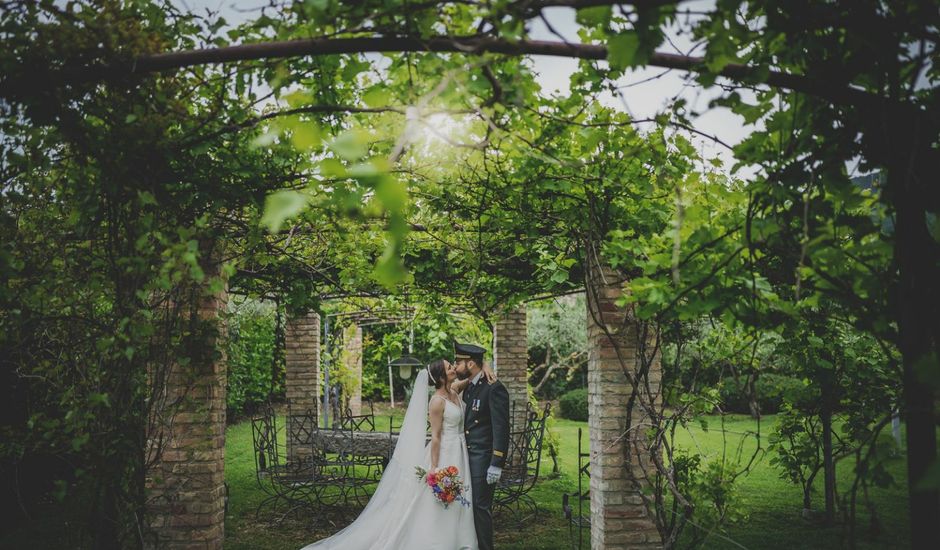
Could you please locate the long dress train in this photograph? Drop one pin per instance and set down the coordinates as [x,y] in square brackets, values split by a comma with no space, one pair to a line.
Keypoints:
[402,513]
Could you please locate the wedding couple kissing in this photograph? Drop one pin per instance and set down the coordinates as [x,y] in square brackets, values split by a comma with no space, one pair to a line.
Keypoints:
[438,494]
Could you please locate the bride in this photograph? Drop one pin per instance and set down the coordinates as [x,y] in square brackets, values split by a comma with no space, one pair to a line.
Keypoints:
[403,513]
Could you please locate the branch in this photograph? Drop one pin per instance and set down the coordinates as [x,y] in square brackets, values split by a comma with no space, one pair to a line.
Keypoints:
[466,45]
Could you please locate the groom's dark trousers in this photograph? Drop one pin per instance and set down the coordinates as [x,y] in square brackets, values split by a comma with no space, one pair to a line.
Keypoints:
[482,497]
[486,426]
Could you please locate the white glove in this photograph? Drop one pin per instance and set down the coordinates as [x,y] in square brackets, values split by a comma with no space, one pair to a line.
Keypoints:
[492,474]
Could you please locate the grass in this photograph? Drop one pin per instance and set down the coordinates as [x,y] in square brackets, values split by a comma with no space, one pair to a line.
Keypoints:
[772,505]
[243,532]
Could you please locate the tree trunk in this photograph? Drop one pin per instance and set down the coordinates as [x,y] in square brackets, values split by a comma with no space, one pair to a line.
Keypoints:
[808,493]
[829,469]
[916,299]
[277,354]
[751,389]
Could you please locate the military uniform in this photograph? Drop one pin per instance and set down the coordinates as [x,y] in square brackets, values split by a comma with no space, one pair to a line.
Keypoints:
[486,429]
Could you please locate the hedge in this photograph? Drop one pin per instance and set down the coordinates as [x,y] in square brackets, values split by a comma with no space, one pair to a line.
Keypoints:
[574,405]
[772,391]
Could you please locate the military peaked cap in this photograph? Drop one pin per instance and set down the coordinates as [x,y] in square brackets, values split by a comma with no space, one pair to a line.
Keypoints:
[468,351]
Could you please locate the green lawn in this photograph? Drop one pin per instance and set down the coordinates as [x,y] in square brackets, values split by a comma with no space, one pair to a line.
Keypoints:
[773,506]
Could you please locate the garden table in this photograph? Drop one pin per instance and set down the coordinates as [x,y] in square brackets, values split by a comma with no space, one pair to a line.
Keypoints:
[354,442]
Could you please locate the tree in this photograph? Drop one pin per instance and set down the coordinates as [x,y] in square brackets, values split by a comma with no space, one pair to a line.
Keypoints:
[828,83]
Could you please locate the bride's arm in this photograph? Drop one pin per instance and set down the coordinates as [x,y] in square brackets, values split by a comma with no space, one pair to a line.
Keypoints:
[436,413]
[489,373]
[460,385]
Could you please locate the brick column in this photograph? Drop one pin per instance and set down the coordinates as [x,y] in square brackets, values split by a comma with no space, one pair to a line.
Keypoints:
[511,352]
[185,484]
[352,355]
[619,516]
[302,383]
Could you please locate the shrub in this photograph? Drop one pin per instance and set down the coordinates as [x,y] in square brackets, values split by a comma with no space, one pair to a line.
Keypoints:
[249,353]
[772,391]
[574,405]
[777,390]
[711,492]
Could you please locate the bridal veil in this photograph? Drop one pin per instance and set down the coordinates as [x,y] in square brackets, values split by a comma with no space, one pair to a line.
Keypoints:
[398,486]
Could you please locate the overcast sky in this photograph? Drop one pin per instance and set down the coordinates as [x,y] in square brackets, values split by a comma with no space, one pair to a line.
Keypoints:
[641,99]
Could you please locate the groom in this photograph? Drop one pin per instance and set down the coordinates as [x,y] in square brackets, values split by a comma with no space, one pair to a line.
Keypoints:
[486,427]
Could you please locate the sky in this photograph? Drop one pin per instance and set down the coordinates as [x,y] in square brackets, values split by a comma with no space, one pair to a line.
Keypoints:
[641,95]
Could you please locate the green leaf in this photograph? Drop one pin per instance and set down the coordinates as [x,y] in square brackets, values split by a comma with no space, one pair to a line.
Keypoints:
[146,197]
[377,96]
[594,16]
[590,137]
[560,276]
[267,138]
[305,136]
[353,67]
[390,270]
[391,193]
[79,441]
[216,285]
[332,168]
[352,145]
[318,5]
[281,205]
[297,99]
[99,399]
[622,50]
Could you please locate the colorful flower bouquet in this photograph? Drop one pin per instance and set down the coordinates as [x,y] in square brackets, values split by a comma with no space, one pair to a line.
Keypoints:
[445,484]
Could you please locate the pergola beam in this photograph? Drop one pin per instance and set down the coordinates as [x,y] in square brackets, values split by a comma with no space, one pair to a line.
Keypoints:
[470,45]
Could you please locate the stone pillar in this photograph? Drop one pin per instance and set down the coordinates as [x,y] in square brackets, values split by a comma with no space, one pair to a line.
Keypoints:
[302,382]
[352,356]
[619,458]
[511,352]
[186,442]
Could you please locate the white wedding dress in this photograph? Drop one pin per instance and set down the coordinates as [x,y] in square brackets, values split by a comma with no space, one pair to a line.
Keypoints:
[403,513]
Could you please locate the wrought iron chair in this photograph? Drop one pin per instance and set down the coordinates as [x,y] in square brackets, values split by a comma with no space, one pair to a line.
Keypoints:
[301,484]
[356,467]
[580,521]
[301,425]
[394,430]
[521,467]
[360,422]
[282,481]
[267,457]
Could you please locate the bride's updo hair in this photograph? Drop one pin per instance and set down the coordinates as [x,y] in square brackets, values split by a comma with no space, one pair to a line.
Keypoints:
[437,375]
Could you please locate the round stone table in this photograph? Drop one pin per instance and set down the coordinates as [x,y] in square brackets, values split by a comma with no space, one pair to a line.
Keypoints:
[357,443]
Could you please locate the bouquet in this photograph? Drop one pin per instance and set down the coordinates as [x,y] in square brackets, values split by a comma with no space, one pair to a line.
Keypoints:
[444,483]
